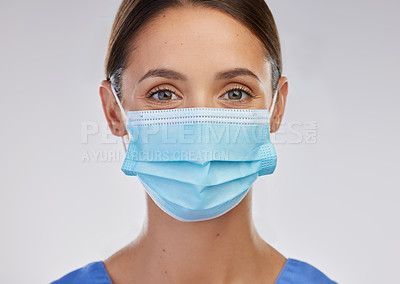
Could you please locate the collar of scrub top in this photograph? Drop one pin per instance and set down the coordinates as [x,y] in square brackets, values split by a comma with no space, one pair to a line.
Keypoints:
[125,116]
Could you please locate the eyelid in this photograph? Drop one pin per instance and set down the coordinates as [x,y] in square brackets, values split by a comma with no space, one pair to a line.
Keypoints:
[242,88]
[158,89]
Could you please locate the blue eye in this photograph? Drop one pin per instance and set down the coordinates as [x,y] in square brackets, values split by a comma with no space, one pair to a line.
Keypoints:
[235,95]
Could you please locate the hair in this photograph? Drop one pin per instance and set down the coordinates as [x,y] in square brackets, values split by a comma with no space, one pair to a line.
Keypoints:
[133,15]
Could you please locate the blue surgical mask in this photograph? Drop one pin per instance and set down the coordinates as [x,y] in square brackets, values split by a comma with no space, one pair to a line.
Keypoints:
[198,163]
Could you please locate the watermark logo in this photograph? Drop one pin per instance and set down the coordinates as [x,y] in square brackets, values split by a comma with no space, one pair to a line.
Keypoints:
[100,145]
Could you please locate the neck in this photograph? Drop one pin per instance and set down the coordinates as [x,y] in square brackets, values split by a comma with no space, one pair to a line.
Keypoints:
[212,251]
[226,249]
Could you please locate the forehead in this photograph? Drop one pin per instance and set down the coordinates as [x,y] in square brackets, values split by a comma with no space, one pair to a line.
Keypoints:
[196,41]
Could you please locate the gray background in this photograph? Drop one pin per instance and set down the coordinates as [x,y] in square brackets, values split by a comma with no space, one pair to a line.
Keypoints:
[333,202]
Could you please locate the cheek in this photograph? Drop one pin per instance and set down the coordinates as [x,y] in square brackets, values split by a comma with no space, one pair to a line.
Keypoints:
[138,103]
[260,102]
[127,104]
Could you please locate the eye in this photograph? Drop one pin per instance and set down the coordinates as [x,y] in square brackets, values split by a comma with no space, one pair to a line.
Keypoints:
[163,94]
[236,94]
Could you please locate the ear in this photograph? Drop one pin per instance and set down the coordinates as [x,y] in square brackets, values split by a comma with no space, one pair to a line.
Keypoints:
[280,104]
[114,117]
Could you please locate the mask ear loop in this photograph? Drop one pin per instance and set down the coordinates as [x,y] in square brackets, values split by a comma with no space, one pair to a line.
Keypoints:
[272,108]
[122,111]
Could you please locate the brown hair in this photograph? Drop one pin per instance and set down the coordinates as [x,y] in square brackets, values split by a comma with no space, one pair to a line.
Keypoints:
[132,15]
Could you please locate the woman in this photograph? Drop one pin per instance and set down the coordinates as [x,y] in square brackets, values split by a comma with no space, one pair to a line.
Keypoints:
[197,85]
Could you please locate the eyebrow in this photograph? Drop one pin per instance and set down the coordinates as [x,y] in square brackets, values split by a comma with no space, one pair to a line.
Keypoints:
[233,73]
[223,75]
[165,73]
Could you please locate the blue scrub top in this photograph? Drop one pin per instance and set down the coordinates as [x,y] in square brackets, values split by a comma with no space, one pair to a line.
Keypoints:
[294,271]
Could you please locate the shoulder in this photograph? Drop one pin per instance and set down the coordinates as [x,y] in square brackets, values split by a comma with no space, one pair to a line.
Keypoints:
[300,272]
[92,273]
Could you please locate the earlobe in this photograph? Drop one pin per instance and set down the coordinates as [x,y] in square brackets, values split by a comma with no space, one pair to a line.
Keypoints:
[280,104]
[112,112]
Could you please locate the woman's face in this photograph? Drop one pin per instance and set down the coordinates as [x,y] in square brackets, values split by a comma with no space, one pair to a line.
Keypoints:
[196,57]
[192,57]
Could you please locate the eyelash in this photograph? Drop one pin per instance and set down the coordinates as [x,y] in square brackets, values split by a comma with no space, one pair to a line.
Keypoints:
[241,88]
[158,89]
